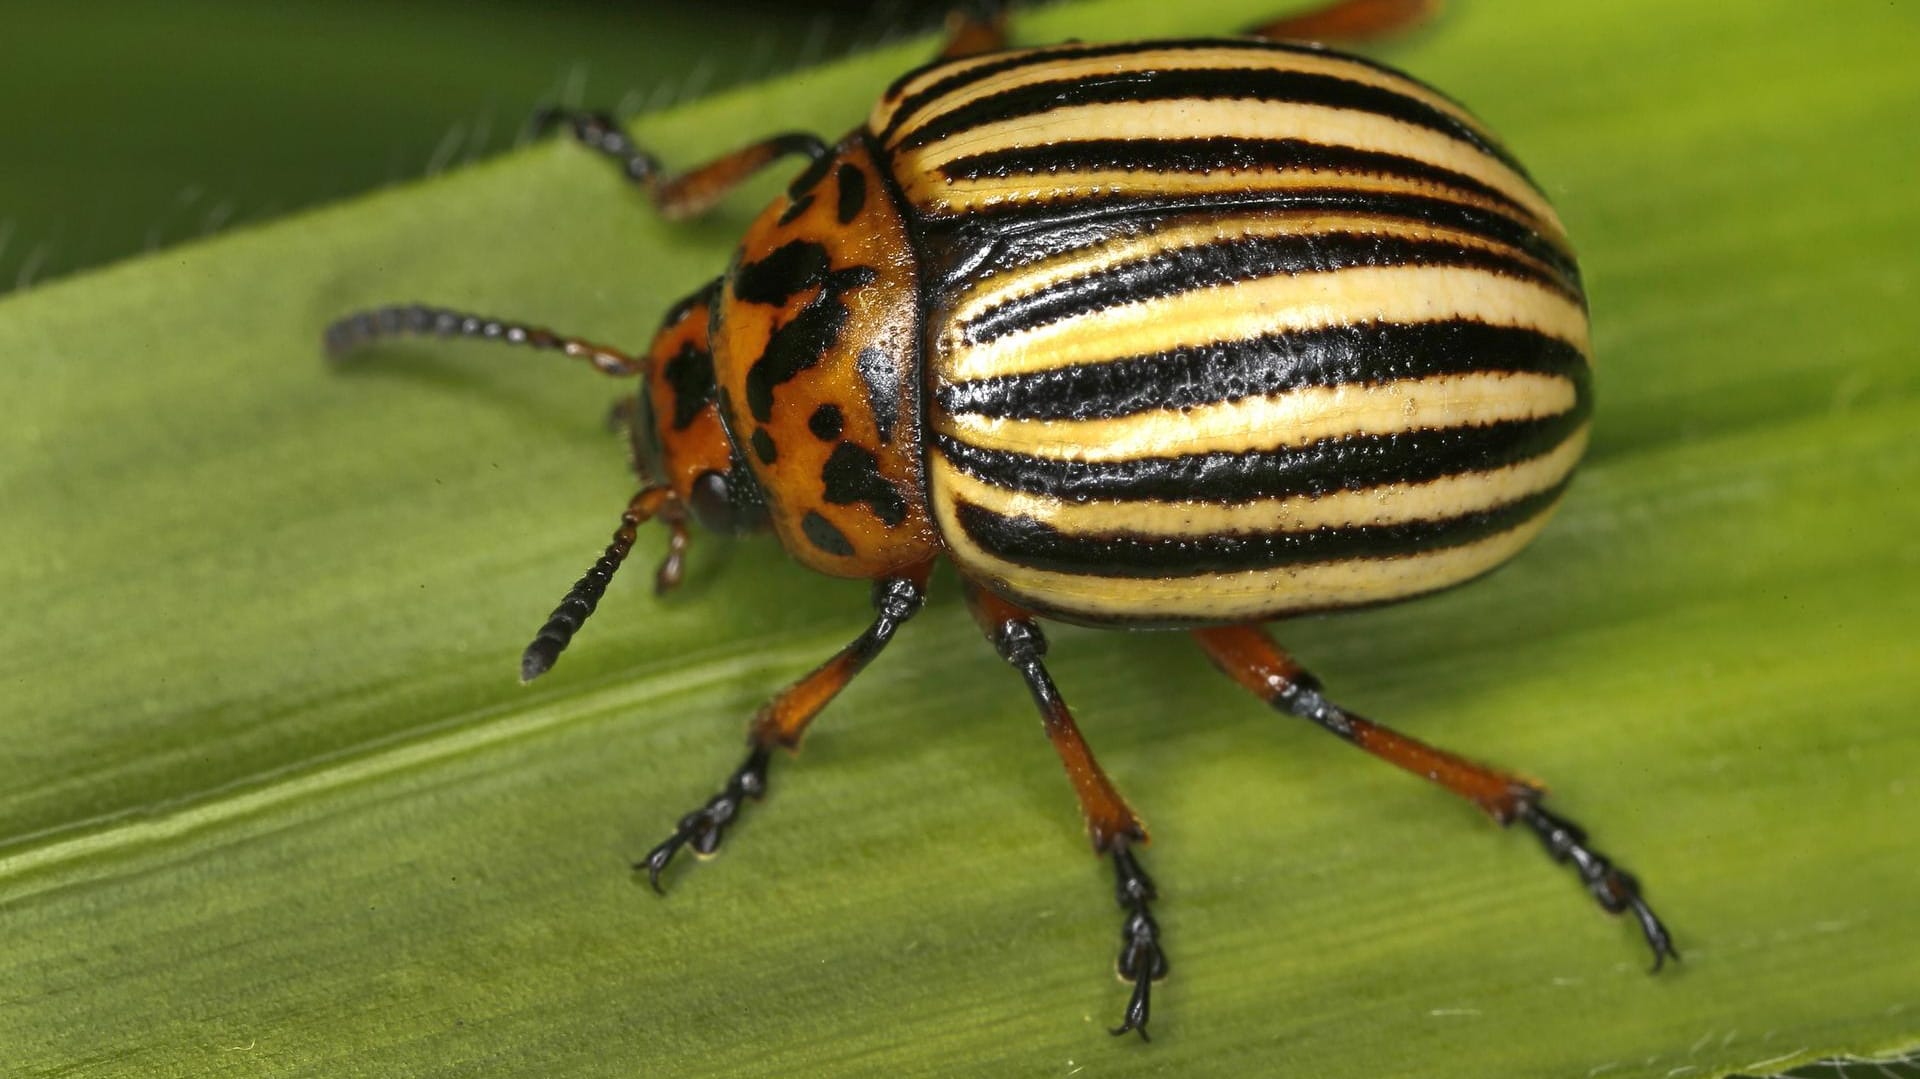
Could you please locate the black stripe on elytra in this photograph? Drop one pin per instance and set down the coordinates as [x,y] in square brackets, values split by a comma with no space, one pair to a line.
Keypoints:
[1233,260]
[1227,83]
[689,375]
[1215,154]
[852,196]
[852,475]
[802,340]
[1271,364]
[940,88]
[1024,232]
[960,79]
[1035,544]
[1336,464]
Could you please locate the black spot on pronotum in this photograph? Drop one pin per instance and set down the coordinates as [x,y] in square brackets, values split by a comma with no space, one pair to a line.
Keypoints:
[788,270]
[852,475]
[800,206]
[686,305]
[802,340]
[882,380]
[822,534]
[827,422]
[853,192]
[763,446]
[815,171]
[690,375]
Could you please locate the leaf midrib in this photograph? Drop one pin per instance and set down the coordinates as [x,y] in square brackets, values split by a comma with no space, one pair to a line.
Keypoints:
[26,860]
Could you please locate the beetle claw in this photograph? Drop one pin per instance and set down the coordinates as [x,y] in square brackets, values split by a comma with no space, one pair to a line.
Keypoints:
[1615,889]
[1141,960]
[705,827]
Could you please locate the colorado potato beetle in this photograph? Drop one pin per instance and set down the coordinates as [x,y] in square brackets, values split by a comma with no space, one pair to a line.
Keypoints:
[1191,334]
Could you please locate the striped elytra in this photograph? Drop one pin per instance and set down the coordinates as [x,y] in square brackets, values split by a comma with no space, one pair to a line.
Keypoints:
[1222,330]
[1166,333]
[1185,334]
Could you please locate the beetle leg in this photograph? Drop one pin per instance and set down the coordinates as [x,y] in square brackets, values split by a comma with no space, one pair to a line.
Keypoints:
[363,328]
[1350,21]
[687,194]
[623,419]
[783,720]
[1111,825]
[1250,658]
[973,28]
[673,565]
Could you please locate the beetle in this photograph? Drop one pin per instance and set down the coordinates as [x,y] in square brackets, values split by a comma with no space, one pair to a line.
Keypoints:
[1190,334]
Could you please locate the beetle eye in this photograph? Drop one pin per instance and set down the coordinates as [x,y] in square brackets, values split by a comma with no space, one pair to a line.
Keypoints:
[712,502]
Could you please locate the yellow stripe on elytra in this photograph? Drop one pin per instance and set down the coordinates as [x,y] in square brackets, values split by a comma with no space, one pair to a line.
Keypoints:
[884,109]
[1197,118]
[1243,596]
[1270,305]
[995,289]
[1386,504]
[1224,57]
[1286,420]
[933,196]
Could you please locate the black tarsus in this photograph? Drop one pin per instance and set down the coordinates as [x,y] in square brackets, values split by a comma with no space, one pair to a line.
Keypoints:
[895,601]
[1615,889]
[706,826]
[1141,960]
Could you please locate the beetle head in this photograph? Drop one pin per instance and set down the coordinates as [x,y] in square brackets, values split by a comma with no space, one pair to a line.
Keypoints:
[679,437]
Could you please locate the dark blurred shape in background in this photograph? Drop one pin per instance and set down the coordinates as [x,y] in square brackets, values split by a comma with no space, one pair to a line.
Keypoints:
[128,126]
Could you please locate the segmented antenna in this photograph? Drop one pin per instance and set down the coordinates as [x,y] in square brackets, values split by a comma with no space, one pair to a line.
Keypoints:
[418,320]
[601,132]
[581,600]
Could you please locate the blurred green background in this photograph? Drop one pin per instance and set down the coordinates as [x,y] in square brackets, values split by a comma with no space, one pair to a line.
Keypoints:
[131,126]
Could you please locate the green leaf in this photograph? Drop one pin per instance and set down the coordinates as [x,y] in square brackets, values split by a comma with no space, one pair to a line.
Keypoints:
[274,803]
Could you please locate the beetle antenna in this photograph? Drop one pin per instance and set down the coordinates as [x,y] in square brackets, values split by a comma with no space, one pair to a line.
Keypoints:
[581,600]
[419,320]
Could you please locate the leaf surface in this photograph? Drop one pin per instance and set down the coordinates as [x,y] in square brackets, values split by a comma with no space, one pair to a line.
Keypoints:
[275,805]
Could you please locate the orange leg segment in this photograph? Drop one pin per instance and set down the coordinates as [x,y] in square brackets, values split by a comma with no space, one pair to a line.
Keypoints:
[1249,657]
[1019,641]
[1350,21]
[1112,826]
[975,28]
[784,719]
